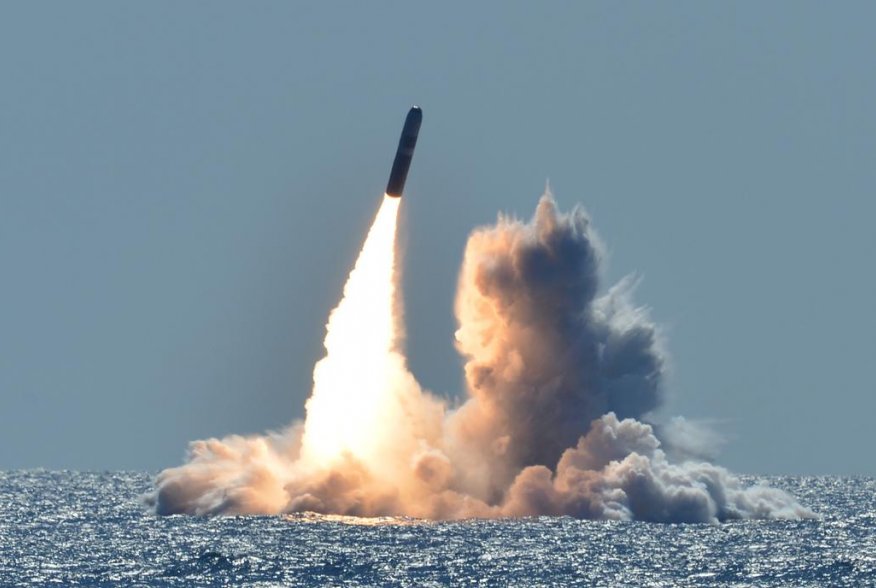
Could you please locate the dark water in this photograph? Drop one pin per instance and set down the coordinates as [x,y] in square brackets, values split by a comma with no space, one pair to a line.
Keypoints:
[90,529]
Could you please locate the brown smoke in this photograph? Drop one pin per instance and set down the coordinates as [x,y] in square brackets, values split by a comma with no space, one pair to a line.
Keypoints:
[560,384]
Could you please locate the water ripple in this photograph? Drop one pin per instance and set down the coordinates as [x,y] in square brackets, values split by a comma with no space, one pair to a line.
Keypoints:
[90,529]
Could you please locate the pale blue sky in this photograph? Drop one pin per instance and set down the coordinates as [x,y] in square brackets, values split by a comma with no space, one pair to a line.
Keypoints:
[183,187]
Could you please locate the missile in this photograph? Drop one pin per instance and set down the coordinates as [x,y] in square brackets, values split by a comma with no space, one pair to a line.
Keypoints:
[404,153]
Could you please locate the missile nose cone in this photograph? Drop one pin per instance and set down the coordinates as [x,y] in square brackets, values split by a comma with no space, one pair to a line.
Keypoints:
[405,152]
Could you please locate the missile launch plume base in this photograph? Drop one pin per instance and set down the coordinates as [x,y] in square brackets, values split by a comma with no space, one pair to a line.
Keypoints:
[559,381]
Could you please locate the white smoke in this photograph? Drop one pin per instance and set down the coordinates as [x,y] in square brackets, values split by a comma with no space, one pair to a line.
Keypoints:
[560,385]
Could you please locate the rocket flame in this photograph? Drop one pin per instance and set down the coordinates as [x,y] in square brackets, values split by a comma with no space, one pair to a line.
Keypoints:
[349,400]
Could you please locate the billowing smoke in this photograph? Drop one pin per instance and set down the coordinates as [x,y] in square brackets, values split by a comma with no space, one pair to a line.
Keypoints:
[561,383]
[545,357]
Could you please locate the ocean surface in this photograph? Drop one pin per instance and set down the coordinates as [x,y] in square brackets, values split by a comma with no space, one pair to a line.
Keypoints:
[91,529]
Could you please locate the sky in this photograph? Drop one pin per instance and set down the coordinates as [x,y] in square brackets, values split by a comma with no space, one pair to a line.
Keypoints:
[184,187]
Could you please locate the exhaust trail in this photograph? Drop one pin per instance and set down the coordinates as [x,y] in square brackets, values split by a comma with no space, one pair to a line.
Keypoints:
[365,418]
[560,383]
[350,383]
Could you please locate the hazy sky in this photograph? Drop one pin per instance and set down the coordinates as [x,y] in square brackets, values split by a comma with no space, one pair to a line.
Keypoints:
[184,186]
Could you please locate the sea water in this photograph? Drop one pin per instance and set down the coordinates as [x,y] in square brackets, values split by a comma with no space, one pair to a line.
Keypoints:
[92,529]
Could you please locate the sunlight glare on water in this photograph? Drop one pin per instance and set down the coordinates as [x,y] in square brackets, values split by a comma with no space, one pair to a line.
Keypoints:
[78,529]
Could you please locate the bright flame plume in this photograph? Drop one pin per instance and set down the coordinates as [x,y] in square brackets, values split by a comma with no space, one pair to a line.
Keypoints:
[350,383]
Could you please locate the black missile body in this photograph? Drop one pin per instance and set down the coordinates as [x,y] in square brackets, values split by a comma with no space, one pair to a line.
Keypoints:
[405,153]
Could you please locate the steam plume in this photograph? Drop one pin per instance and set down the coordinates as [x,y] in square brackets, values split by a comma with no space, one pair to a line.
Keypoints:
[560,386]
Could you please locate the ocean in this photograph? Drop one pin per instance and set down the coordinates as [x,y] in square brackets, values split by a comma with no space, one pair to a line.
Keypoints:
[60,528]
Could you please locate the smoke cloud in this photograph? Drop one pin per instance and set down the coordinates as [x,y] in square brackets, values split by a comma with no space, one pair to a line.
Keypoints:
[561,383]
